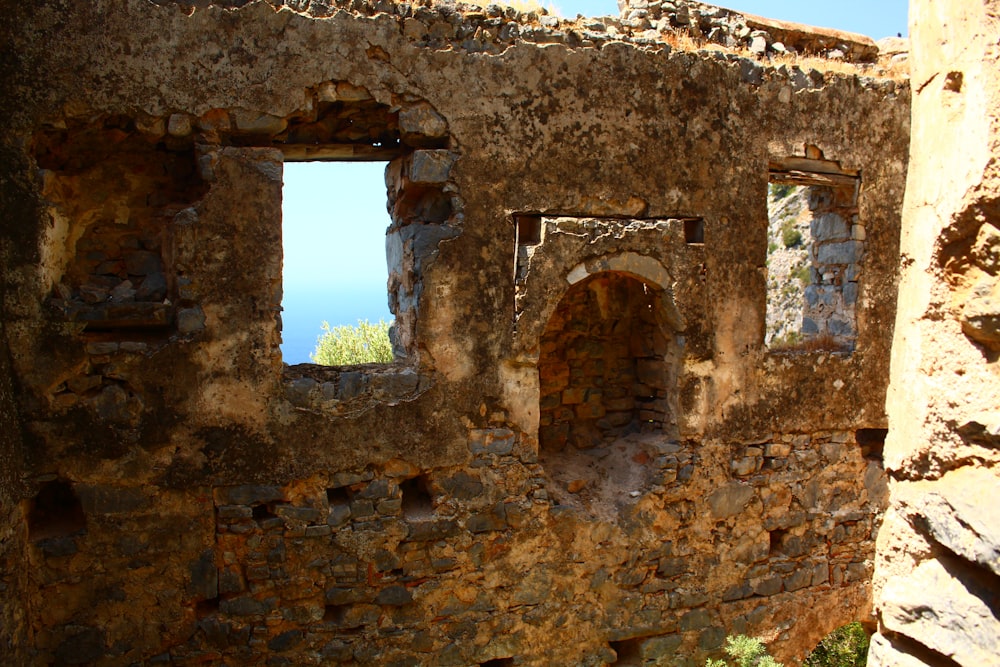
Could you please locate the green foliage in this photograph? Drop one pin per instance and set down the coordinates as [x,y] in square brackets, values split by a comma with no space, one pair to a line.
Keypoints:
[790,339]
[771,247]
[844,647]
[363,344]
[747,652]
[790,237]
[802,274]
[779,190]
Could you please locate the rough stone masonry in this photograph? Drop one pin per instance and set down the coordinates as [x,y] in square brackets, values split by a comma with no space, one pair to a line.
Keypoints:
[584,453]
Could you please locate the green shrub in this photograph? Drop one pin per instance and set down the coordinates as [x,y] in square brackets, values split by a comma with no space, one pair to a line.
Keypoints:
[788,340]
[747,652]
[791,237]
[844,647]
[780,190]
[363,344]
[803,275]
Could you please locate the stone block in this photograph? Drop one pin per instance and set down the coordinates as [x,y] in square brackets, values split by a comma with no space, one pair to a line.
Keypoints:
[242,606]
[431,167]
[304,514]
[394,596]
[711,638]
[801,578]
[777,450]
[845,252]
[829,227]
[729,500]
[658,649]
[204,576]
[420,124]
[695,620]
[850,294]
[948,614]
[951,509]
[339,514]
[422,531]
[247,494]
[768,586]
[190,320]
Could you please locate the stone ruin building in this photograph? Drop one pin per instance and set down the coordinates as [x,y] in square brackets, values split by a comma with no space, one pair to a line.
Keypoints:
[584,453]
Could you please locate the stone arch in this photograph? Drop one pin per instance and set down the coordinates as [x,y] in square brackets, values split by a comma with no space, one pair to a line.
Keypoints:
[605,356]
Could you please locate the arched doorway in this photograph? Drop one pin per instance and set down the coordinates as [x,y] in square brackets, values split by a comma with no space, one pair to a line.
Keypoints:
[605,370]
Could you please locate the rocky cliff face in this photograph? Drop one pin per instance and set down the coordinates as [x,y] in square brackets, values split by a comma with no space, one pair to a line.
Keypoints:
[939,549]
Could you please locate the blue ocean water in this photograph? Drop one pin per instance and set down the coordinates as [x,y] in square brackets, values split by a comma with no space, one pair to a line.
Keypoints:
[304,311]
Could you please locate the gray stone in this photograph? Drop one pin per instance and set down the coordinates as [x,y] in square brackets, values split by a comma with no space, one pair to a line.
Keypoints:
[304,514]
[758,45]
[839,327]
[123,293]
[351,385]
[394,596]
[729,500]
[152,288]
[768,586]
[393,385]
[285,640]
[937,609]
[143,263]
[829,227]
[420,124]
[799,579]
[339,514]
[190,320]
[883,653]
[959,513]
[242,606]
[299,391]
[659,648]
[850,294]
[844,252]
[431,166]
[247,494]
[695,620]
[711,638]
[462,486]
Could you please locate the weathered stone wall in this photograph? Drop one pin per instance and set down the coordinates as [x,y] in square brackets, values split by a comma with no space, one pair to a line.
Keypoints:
[939,549]
[193,500]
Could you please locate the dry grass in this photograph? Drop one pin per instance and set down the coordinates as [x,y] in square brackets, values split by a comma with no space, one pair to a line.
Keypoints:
[523,6]
[682,41]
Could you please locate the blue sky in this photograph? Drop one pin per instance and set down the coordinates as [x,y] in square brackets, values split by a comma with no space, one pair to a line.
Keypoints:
[335,218]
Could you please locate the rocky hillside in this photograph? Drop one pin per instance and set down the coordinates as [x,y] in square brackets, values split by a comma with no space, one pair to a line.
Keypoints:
[788,240]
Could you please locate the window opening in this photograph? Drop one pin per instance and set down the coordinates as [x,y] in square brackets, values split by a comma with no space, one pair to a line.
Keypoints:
[529,229]
[872,442]
[334,221]
[815,244]
[694,231]
[417,504]
[55,511]
[629,652]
